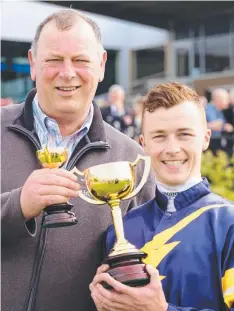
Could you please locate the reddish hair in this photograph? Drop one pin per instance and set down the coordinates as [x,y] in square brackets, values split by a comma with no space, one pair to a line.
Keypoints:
[168,95]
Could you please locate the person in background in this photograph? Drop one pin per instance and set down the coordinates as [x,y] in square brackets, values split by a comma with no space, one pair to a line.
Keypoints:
[50,269]
[6,102]
[216,119]
[203,100]
[187,231]
[208,95]
[229,111]
[137,111]
[116,114]
[229,116]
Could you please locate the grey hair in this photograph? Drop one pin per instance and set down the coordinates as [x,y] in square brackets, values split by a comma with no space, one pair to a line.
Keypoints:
[116,87]
[219,91]
[65,20]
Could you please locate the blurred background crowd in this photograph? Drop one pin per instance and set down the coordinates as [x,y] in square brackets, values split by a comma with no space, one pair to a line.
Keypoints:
[148,42]
[219,107]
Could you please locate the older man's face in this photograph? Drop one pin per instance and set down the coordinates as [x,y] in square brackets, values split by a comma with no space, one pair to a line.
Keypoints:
[67,68]
[116,96]
[231,96]
[220,99]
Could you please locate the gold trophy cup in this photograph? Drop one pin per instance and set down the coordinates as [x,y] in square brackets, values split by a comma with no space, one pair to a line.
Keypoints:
[110,183]
[56,215]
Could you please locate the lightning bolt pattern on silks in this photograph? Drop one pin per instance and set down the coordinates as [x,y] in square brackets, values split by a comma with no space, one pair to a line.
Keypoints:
[157,249]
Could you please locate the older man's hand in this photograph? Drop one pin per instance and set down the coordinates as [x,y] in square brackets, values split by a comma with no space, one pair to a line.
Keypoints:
[126,298]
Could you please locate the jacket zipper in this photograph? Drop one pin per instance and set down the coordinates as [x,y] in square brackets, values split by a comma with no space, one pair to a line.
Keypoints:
[100,145]
[36,271]
[40,252]
[26,133]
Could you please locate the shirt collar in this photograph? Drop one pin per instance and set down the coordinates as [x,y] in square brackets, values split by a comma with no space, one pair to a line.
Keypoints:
[173,191]
[38,114]
[184,198]
[115,112]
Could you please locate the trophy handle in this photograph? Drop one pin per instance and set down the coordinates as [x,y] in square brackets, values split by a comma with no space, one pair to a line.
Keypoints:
[76,171]
[144,177]
[81,193]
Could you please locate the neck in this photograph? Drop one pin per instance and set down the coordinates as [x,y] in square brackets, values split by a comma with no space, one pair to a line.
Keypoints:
[181,187]
[69,125]
[119,106]
[68,122]
[67,129]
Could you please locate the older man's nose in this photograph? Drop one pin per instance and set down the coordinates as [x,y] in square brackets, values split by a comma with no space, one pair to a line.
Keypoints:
[67,70]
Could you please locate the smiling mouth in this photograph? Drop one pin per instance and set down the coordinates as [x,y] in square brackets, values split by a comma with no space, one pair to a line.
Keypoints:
[67,88]
[176,163]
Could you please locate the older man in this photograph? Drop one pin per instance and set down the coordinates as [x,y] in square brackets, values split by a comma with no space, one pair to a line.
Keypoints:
[216,119]
[50,269]
[117,114]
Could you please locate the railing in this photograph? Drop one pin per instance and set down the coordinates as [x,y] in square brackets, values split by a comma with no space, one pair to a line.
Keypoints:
[142,85]
[152,76]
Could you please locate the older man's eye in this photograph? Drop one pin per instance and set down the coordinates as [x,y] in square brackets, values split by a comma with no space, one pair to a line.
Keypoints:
[53,60]
[81,60]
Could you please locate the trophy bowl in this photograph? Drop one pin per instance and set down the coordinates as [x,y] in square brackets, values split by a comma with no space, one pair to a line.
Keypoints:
[55,215]
[111,183]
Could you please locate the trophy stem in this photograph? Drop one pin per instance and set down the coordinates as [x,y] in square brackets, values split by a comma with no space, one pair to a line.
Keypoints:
[117,220]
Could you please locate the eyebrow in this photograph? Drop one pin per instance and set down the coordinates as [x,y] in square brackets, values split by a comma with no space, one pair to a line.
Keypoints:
[60,56]
[184,129]
[54,55]
[157,132]
[81,55]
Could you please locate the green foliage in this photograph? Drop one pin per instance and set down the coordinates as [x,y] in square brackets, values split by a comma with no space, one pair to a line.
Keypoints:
[219,170]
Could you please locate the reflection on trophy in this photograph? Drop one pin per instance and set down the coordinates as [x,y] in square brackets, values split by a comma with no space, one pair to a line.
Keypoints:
[56,215]
[110,183]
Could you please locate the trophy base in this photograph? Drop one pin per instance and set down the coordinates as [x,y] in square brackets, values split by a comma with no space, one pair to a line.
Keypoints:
[58,215]
[128,269]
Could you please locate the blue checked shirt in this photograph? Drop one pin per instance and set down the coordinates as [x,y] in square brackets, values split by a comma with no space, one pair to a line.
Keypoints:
[48,131]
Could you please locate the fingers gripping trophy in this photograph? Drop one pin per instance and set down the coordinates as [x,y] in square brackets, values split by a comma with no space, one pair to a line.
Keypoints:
[111,183]
[56,215]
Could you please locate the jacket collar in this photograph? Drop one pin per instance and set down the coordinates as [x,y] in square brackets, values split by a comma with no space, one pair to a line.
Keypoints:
[184,198]
[96,132]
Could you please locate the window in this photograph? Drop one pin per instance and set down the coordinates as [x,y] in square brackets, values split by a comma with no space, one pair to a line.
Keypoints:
[217,53]
[182,62]
[149,62]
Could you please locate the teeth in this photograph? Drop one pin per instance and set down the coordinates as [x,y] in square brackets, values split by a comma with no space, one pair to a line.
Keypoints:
[174,163]
[67,88]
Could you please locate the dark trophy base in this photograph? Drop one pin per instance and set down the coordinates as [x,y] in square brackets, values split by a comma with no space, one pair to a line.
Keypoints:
[128,269]
[58,215]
